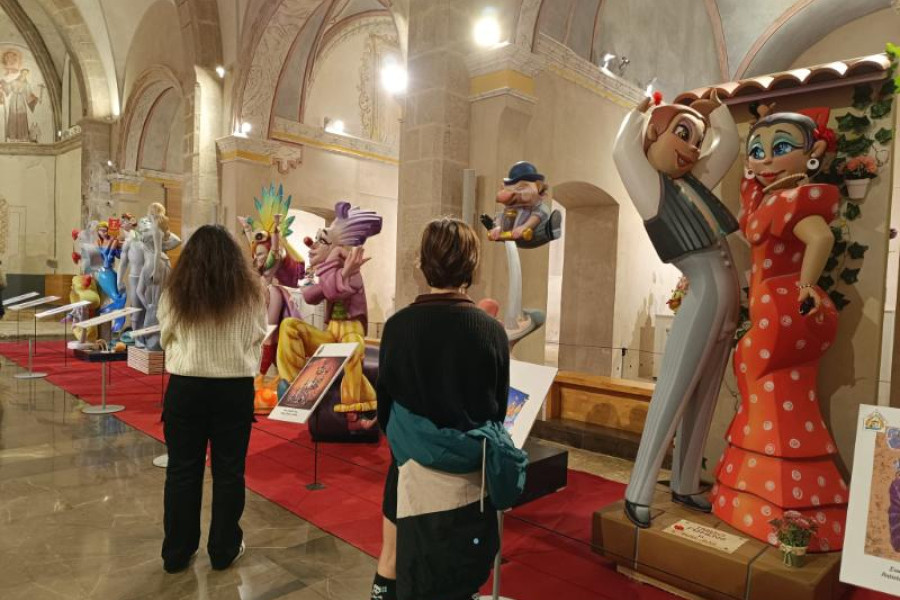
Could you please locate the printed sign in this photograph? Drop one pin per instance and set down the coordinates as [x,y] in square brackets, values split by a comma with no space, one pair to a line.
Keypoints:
[300,400]
[529,385]
[706,536]
[871,556]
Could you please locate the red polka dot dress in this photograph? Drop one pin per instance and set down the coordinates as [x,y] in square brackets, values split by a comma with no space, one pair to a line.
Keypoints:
[780,454]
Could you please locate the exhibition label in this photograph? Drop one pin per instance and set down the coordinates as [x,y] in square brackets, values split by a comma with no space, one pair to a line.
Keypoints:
[706,536]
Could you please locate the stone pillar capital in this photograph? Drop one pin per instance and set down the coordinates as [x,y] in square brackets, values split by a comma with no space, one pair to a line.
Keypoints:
[506,69]
[252,150]
[124,184]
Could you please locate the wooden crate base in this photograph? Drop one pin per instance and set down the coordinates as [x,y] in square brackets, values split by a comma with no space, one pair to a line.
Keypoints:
[754,571]
[148,362]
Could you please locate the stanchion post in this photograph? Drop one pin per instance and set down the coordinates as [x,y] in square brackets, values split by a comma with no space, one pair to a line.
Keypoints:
[498,560]
[104,408]
[316,485]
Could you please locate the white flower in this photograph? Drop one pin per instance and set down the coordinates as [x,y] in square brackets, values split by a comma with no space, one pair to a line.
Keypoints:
[794,443]
[815,500]
[768,386]
[754,398]
[800,345]
[786,321]
[820,517]
[770,449]
[782,291]
[746,430]
[821,481]
[798,493]
[788,406]
[764,354]
[751,463]
[779,248]
[795,475]
[809,426]
[766,510]
[767,425]
[795,375]
[748,520]
[815,192]
[770,485]
[742,485]
[766,298]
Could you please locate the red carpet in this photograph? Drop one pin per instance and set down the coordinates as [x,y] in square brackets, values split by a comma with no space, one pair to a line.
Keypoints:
[546,544]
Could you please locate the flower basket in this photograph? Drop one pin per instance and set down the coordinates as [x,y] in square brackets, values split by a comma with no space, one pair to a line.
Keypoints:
[793,556]
[857,188]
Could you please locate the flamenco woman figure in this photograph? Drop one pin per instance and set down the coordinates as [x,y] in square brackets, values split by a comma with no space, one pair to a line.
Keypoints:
[659,158]
[336,256]
[780,453]
[280,266]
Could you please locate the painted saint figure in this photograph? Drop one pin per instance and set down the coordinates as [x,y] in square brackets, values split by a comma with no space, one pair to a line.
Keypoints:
[780,454]
[19,98]
[658,155]
[337,256]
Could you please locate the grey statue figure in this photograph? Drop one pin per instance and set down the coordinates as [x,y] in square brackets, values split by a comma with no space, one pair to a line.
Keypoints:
[658,153]
[130,266]
[156,240]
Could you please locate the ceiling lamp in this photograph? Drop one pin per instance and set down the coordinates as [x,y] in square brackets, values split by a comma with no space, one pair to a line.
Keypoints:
[487,29]
[394,77]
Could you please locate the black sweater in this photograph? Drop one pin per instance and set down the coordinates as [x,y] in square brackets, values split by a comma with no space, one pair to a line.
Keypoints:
[445,359]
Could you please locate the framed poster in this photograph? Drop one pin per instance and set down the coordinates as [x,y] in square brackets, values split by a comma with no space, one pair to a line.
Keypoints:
[871,556]
[529,385]
[300,400]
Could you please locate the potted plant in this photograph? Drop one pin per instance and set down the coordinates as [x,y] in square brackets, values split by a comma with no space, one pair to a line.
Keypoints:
[857,172]
[794,531]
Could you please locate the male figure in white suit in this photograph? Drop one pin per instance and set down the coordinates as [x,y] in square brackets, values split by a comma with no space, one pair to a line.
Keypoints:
[658,156]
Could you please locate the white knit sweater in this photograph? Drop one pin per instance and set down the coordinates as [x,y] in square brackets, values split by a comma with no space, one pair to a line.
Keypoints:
[217,350]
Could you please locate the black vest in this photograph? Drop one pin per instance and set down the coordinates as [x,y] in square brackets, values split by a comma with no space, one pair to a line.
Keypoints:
[679,227]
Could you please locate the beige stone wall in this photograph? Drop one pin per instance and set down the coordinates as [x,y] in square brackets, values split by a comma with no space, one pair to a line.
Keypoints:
[43,206]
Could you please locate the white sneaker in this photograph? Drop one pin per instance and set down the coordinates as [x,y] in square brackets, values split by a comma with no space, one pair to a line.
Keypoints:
[239,554]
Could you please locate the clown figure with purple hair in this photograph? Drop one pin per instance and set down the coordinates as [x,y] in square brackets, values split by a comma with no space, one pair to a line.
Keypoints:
[336,257]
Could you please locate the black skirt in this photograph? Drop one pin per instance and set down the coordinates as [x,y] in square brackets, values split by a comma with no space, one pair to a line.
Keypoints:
[389,502]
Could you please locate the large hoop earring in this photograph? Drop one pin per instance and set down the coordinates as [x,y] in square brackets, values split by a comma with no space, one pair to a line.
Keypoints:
[812,164]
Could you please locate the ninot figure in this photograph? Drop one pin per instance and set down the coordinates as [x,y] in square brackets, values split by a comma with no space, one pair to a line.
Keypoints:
[336,256]
[780,454]
[526,217]
[279,265]
[659,155]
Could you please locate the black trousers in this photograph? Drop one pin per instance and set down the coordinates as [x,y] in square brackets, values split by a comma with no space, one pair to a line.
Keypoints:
[199,411]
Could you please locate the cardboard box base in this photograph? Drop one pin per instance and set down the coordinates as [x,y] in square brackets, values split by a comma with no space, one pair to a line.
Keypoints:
[688,569]
[148,362]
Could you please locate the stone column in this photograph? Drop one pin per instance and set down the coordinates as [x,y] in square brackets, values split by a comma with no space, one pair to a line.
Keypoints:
[124,191]
[95,153]
[434,146]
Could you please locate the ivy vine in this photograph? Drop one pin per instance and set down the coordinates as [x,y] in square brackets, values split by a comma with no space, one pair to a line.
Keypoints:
[860,133]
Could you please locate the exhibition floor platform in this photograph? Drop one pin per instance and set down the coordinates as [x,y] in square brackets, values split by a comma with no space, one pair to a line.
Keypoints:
[547,552]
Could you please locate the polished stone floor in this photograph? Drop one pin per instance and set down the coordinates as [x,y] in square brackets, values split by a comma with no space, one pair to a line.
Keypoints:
[81,517]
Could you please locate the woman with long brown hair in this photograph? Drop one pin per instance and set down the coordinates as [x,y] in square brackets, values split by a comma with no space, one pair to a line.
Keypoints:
[213,318]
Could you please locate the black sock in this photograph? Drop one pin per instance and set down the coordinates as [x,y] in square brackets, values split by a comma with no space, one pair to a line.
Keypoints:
[384,588]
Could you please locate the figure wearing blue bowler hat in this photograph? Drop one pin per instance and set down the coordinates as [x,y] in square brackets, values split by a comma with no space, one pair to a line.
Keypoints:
[526,218]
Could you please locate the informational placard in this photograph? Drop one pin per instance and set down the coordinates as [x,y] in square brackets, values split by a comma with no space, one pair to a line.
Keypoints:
[871,556]
[146,331]
[62,309]
[706,536]
[34,303]
[529,385]
[15,299]
[300,400]
[110,316]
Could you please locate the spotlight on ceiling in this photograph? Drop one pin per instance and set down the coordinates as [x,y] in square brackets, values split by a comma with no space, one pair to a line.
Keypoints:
[394,77]
[243,128]
[335,126]
[220,71]
[606,59]
[487,29]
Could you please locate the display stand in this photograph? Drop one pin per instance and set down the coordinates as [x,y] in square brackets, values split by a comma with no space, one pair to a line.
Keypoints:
[104,358]
[60,310]
[498,561]
[518,321]
[150,362]
[32,341]
[316,485]
[15,299]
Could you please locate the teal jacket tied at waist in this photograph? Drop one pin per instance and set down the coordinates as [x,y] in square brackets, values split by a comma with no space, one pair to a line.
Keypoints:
[452,451]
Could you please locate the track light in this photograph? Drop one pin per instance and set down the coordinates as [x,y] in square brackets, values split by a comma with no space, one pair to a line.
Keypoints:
[220,71]
[394,77]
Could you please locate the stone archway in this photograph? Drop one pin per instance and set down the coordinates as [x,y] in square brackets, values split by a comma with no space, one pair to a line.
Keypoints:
[149,113]
[588,286]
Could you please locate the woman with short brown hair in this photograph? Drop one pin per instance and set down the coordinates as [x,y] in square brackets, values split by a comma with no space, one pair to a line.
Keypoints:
[445,361]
